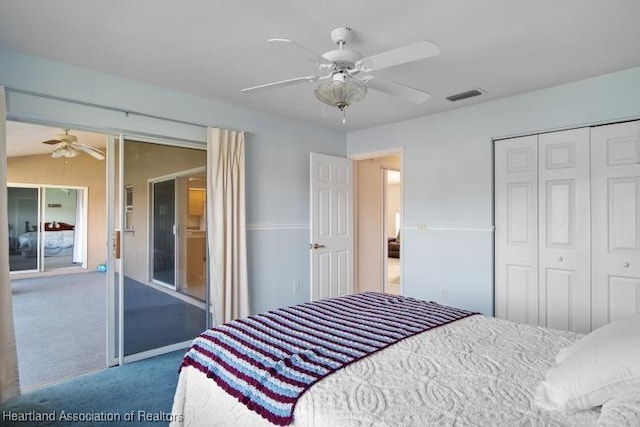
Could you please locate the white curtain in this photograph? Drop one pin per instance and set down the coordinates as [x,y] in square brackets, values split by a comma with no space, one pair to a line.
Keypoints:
[226,229]
[9,382]
[79,229]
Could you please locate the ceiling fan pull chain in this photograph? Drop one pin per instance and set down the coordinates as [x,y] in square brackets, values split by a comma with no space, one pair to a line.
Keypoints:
[344,116]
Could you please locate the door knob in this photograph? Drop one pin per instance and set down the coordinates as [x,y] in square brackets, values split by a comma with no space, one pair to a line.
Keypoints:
[626,264]
[560,259]
[316,246]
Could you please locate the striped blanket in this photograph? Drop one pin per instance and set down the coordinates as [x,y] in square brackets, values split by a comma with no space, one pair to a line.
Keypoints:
[269,360]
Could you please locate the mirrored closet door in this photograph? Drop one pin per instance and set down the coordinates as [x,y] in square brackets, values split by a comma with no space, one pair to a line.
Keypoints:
[159,225]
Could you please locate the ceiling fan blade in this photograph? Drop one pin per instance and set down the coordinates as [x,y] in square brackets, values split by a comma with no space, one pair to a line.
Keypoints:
[396,89]
[90,150]
[310,55]
[52,141]
[400,55]
[282,83]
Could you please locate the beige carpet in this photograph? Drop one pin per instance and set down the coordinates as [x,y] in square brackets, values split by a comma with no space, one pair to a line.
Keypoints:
[60,324]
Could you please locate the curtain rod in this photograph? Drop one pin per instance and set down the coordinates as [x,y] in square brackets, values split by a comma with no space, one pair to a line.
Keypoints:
[126,112]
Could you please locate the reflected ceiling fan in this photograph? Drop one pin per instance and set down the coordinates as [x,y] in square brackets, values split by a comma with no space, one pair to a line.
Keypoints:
[67,145]
[349,74]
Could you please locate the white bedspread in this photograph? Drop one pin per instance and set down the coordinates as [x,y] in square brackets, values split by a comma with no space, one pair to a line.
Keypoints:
[56,243]
[477,371]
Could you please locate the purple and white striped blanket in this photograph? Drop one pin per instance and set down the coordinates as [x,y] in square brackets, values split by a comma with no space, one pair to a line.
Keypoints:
[269,360]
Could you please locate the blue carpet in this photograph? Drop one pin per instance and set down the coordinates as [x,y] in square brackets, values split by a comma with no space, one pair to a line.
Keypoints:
[142,391]
[155,319]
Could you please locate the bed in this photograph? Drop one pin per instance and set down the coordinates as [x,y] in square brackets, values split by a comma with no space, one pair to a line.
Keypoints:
[472,371]
[58,240]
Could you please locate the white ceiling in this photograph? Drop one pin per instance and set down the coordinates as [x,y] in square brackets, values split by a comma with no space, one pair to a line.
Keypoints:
[216,48]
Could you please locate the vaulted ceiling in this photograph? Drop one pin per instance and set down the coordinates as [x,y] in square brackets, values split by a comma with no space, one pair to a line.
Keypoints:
[25,139]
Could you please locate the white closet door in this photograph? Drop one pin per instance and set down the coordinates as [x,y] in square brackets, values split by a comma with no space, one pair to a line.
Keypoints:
[564,246]
[615,179]
[516,207]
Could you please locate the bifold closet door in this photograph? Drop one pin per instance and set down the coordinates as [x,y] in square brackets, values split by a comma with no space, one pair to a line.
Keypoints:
[615,182]
[563,240]
[516,234]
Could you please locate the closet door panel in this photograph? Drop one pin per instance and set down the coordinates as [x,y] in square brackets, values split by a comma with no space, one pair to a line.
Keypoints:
[615,181]
[516,221]
[564,244]
[623,297]
[559,286]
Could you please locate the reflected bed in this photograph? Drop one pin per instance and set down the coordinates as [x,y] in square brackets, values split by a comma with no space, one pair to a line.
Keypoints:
[58,240]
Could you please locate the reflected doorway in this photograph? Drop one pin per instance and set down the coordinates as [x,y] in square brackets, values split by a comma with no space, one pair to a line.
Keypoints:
[193,259]
[163,224]
[178,222]
[24,241]
[46,227]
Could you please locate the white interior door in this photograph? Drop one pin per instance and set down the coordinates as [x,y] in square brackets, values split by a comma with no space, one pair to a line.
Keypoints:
[564,244]
[615,180]
[516,219]
[331,223]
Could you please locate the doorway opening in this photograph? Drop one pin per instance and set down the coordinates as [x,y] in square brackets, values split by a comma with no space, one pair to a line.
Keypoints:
[57,237]
[391,222]
[378,213]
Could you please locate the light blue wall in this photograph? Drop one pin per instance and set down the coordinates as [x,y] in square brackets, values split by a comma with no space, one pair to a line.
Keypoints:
[447,177]
[277,155]
[447,166]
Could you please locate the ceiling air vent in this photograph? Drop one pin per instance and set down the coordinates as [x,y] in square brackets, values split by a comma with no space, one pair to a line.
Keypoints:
[464,95]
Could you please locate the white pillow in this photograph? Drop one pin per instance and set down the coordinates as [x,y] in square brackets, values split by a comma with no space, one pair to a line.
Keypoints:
[601,366]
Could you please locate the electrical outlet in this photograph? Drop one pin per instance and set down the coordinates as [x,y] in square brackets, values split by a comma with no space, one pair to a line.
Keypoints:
[422,228]
[445,294]
[296,287]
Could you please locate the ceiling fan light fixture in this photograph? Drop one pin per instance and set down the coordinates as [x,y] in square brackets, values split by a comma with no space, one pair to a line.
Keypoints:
[64,151]
[341,91]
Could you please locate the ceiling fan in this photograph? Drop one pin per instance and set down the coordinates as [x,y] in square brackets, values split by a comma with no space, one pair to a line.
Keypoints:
[350,74]
[67,145]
